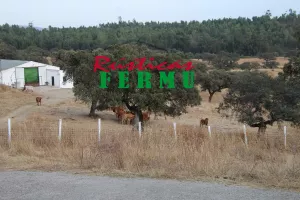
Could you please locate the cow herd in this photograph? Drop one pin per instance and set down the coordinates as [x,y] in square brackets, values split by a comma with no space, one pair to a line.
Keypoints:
[123,116]
[127,117]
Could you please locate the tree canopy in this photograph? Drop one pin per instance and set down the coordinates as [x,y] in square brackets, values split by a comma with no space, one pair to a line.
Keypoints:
[214,81]
[173,101]
[243,36]
[259,100]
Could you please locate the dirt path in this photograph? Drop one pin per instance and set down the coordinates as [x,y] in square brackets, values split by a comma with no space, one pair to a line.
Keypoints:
[51,96]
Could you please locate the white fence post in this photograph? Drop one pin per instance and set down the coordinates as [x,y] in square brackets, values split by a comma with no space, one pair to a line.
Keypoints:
[284,132]
[99,130]
[9,131]
[209,131]
[245,134]
[59,129]
[175,134]
[140,129]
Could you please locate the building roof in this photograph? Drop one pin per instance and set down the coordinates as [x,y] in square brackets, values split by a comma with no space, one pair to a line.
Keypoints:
[32,64]
[6,64]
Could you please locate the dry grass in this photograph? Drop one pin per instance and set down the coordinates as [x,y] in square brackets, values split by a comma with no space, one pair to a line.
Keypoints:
[271,72]
[243,60]
[280,60]
[11,99]
[156,154]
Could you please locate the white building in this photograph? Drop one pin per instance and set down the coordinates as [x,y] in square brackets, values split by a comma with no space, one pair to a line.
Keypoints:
[31,73]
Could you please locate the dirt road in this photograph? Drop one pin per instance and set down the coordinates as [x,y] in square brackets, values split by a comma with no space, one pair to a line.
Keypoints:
[42,185]
[51,96]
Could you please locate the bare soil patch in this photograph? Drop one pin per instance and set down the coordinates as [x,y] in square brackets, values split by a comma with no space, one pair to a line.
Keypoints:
[12,99]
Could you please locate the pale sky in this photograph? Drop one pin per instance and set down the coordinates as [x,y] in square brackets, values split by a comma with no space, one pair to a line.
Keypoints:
[77,13]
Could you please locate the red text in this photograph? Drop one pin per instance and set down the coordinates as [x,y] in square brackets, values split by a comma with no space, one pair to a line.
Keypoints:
[139,64]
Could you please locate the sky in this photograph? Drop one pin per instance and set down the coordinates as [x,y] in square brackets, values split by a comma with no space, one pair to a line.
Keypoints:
[75,13]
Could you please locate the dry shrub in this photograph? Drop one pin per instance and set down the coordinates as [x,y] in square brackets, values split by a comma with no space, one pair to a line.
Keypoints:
[193,155]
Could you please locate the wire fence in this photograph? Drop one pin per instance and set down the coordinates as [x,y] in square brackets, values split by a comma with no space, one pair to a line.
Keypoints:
[55,133]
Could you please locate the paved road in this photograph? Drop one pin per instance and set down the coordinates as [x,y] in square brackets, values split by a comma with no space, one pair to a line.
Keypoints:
[56,185]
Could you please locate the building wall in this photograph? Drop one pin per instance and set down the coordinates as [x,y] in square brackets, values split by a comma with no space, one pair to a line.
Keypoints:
[8,76]
[56,74]
[42,75]
[67,84]
[20,77]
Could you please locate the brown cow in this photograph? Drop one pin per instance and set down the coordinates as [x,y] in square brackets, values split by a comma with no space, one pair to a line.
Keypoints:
[146,116]
[38,101]
[128,117]
[118,110]
[203,122]
[120,113]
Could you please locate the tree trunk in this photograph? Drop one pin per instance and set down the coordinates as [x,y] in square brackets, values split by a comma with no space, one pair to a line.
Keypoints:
[261,130]
[138,116]
[93,109]
[211,94]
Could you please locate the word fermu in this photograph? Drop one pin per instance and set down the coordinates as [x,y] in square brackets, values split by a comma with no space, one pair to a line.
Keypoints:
[144,78]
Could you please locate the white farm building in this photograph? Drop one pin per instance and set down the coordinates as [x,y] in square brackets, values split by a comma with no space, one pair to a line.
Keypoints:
[31,73]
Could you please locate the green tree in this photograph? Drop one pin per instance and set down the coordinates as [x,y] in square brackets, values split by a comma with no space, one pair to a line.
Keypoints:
[270,59]
[208,57]
[292,68]
[249,65]
[243,36]
[78,67]
[172,101]
[214,81]
[260,100]
[7,51]
[33,53]
[225,60]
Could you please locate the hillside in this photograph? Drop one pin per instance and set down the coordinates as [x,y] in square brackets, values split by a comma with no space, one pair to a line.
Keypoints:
[243,36]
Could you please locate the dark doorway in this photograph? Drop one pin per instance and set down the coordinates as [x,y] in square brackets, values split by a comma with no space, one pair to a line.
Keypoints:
[52,80]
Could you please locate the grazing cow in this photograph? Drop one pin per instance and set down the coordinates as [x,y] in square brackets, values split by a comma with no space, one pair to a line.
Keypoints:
[119,114]
[38,101]
[127,117]
[203,122]
[118,110]
[146,116]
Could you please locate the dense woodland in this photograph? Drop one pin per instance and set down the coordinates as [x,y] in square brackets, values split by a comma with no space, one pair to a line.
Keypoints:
[242,36]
